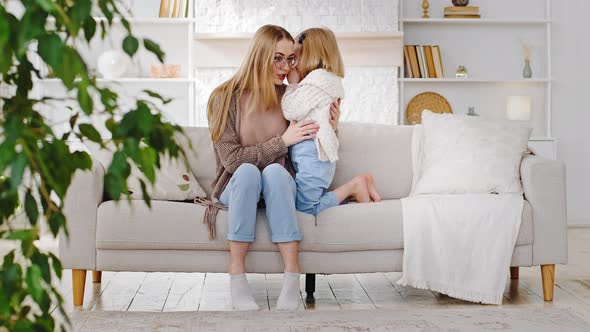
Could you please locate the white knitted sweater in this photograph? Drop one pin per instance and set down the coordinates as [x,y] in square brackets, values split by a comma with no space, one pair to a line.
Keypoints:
[310,100]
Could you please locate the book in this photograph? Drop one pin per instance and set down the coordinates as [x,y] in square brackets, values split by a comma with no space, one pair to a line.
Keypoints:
[419,55]
[462,16]
[462,10]
[175,9]
[164,8]
[438,67]
[429,61]
[414,61]
[407,64]
[423,62]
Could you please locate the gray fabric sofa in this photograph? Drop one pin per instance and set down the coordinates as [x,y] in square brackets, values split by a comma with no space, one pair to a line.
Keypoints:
[351,238]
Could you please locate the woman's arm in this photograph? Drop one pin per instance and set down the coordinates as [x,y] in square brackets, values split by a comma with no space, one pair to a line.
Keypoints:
[299,100]
[232,154]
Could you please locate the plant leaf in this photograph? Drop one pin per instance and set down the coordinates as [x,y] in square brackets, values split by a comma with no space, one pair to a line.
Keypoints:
[89,28]
[153,47]
[51,49]
[84,98]
[17,169]
[31,208]
[90,132]
[33,281]
[144,193]
[157,96]
[130,45]
[47,5]
[56,263]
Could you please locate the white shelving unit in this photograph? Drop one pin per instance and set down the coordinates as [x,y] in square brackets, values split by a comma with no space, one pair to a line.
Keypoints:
[176,38]
[490,49]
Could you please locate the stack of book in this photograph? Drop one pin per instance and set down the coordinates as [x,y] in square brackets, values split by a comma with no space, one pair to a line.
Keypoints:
[174,8]
[462,12]
[423,61]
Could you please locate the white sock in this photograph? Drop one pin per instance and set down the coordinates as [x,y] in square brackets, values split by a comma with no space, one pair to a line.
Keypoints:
[241,293]
[290,297]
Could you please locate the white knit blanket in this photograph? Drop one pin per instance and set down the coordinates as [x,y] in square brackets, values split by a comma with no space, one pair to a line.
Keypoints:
[460,245]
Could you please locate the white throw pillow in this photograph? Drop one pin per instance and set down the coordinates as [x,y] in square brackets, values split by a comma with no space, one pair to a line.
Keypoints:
[465,154]
[174,181]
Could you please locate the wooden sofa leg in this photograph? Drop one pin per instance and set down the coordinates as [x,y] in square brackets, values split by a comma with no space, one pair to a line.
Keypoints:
[310,284]
[78,284]
[96,277]
[548,277]
[514,272]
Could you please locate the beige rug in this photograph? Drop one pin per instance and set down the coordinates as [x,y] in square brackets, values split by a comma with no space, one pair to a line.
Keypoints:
[500,319]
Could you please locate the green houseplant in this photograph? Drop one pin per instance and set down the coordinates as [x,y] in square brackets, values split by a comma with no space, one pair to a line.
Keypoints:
[37,165]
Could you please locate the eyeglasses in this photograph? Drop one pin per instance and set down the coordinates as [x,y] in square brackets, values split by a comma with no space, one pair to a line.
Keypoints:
[280,61]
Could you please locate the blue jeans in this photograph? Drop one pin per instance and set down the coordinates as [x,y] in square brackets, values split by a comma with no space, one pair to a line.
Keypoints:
[313,179]
[241,196]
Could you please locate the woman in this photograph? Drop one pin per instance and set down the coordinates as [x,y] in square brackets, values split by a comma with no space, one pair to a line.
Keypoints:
[251,139]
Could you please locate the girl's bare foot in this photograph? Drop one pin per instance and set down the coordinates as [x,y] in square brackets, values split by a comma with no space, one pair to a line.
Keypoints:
[360,190]
[372,189]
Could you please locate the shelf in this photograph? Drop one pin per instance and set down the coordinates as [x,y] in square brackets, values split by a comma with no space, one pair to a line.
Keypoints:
[475,80]
[141,20]
[542,139]
[339,35]
[151,20]
[126,80]
[482,21]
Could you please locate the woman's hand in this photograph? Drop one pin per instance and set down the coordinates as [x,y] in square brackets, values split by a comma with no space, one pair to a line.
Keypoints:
[335,114]
[293,76]
[300,131]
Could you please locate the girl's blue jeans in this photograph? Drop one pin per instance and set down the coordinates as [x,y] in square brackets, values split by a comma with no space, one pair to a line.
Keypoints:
[313,179]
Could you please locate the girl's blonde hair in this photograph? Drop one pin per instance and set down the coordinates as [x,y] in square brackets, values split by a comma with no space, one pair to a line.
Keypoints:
[254,75]
[319,50]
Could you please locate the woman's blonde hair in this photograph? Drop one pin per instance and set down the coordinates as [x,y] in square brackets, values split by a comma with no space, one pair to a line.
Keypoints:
[319,50]
[254,75]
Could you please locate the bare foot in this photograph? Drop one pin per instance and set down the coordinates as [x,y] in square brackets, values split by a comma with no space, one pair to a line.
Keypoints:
[360,190]
[372,189]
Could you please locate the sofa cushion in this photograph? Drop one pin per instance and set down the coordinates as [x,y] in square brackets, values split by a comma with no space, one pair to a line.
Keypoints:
[384,151]
[175,225]
[379,226]
[178,226]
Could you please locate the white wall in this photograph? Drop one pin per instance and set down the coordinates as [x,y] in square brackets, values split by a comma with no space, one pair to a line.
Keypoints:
[371,92]
[571,107]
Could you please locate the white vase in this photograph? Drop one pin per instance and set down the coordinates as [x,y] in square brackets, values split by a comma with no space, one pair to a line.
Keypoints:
[113,64]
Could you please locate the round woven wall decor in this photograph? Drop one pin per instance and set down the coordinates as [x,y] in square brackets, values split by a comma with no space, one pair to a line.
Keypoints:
[426,100]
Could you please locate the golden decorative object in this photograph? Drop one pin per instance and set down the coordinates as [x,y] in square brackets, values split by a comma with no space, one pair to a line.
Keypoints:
[425,6]
[427,100]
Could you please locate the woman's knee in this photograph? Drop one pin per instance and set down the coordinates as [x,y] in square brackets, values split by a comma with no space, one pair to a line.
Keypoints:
[277,175]
[247,176]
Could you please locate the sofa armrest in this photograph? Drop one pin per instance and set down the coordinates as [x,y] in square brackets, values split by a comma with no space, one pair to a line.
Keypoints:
[78,251]
[543,182]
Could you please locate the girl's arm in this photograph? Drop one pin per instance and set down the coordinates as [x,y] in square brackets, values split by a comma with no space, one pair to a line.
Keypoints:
[299,100]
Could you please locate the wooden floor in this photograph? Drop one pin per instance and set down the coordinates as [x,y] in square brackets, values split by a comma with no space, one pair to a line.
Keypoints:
[133,291]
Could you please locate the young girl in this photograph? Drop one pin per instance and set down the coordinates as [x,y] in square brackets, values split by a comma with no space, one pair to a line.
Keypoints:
[314,84]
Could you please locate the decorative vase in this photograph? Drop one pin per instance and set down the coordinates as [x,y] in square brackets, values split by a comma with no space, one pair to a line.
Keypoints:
[527,72]
[461,72]
[113,64]
[425,6]
[471,111]
[460,3]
